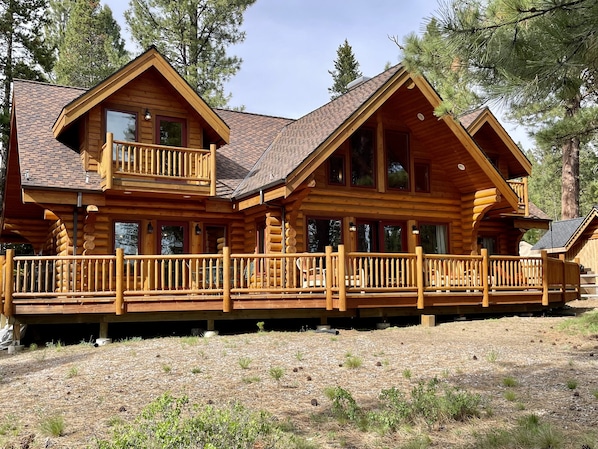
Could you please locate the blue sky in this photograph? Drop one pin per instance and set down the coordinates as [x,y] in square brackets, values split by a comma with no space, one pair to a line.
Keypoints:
[291,45]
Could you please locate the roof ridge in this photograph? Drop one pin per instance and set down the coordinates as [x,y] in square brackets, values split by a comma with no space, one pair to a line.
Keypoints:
[46,83]
[257,114]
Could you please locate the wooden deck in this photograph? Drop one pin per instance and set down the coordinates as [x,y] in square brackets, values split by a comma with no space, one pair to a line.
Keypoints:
[132,288]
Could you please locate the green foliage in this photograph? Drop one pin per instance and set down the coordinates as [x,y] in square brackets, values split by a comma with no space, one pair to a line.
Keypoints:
[171,423]
[419,442]
[260,326]
[91,48]
[194,35]
[352,361]
[529,433]
[586,324]
[346,69]
[9,425]
[244,362]
[510,382]
[430,401]
[276,372]
[53,425]
[72,372]
[510,395]
[572,384]
[251,379]
[407,373]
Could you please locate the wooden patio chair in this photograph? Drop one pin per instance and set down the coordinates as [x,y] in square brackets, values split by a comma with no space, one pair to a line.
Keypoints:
[311,277]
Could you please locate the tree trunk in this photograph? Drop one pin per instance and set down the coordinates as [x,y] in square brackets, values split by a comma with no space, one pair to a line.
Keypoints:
[570,180]
[570,174]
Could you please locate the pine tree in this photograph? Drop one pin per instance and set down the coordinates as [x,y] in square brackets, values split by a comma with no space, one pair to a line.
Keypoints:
[538,57]
[91,48]
[346,69]
[23,51]
[194,35]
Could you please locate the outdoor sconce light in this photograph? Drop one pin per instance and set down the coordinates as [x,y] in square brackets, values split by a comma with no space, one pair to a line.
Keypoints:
[352,227]
[147,115]
[415,230]
[197,229]
[150,228]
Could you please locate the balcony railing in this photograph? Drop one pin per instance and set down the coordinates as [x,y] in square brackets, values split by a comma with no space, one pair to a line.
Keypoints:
[134,161]
[330,280]
[521,189]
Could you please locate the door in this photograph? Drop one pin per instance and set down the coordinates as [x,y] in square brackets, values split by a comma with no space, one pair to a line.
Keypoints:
[173,239]
[172,132]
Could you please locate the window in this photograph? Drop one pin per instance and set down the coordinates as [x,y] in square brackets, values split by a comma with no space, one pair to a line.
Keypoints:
[489,243]
[362,158]
[397,160]
[336,170]
[380,237]
[422,177]
[173,238]
[322,233]
[126,236]
[171,131]
[434,238]
[123,125]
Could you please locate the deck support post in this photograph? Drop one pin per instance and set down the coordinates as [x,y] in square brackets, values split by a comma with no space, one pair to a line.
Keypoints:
[210,325]
[485,278]
[428,320]
[544,255]
[328,279]
[226,299]
[419,269]
[342,286]
[9,282]
[103,329]
[120,273]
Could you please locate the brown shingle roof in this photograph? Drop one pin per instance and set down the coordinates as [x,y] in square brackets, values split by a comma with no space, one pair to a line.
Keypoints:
[46,162]
[250,135]
[301,138]
[469,117]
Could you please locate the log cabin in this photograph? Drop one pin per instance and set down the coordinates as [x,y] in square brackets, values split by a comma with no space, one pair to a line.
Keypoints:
[142,203]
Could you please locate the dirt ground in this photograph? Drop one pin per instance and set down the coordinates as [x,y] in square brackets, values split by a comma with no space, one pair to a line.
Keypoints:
[92,386]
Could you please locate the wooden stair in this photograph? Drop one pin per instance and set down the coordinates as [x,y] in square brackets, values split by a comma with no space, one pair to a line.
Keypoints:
[589,285]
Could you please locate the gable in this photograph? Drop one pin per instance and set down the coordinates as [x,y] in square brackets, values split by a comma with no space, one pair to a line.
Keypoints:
[151,59]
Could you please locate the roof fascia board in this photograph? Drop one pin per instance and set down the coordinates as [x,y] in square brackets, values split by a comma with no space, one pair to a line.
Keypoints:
[581,229]
[472,148]
[135,68]
[488,117]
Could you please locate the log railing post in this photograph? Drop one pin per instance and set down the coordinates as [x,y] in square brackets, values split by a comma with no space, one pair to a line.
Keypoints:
[564,272]
[342,286]
[485,278]
[545,283]
[226,298]
[328,280]
[419,269]
[120,274]
[212,170]
[107,159]
[9,282]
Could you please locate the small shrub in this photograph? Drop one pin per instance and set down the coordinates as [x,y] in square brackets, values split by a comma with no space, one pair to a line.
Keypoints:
[260,326]
[276,372]
[166,368]
[595,394]
[251,379]
[196,370]
[510,382]
[492,356]
[9,425]
[352,361]
[53,426]
[572,384]
[407,373]
[344,406]
[33,347]
[419,442]
[244,362]
[510,395]
[299,356]
[73,372]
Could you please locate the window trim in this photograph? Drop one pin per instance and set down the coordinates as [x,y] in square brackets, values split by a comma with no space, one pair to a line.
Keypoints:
[121,109]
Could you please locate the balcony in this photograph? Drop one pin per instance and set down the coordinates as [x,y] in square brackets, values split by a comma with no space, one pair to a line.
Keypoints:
[521,189]
[142,167]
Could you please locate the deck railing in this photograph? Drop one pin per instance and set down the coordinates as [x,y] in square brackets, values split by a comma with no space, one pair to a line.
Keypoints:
[334,277]
[521,189]
[157,162]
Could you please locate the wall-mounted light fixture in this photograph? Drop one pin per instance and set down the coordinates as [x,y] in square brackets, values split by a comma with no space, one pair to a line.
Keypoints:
[352,227]
[147,115]
[197,229]
[150,228]
[415,230]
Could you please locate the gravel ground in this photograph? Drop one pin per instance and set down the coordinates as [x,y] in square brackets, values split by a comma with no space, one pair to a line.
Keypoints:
[91,386]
